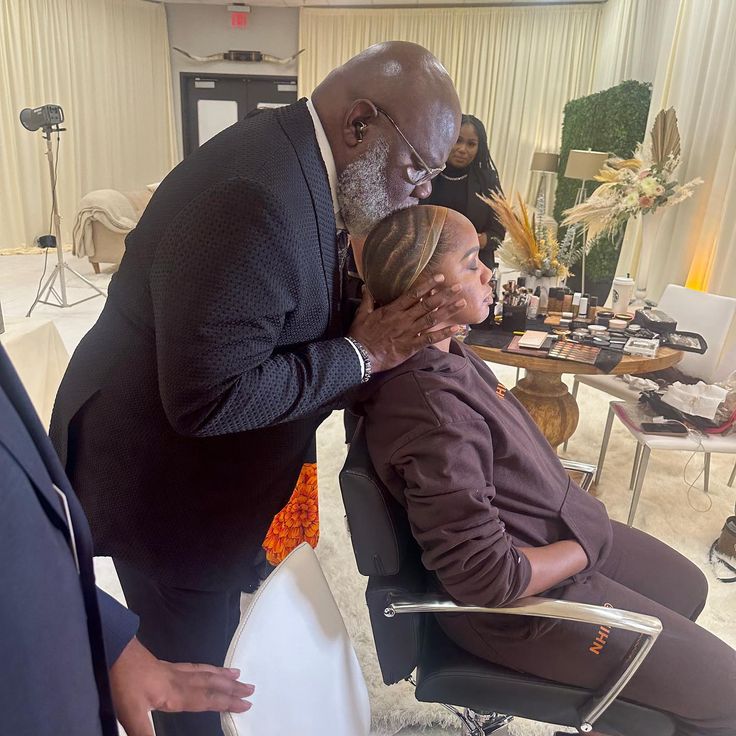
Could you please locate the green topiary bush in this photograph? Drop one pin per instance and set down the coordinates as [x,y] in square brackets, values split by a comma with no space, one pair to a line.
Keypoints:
[614,121]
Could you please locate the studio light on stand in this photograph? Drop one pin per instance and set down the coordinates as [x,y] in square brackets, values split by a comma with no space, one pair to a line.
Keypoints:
[544,163]
[48,119]
[584,165]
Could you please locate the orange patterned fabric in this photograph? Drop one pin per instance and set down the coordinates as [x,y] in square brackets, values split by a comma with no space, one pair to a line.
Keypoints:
[298,521]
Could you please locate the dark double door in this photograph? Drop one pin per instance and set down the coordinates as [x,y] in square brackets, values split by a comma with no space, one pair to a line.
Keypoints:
[212,102]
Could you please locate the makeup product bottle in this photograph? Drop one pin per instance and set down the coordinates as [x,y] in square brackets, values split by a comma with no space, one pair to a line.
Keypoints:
[576,297]
[554,302]
[543,295]
[567,303]
[592,308]
[533,307]
[583,309]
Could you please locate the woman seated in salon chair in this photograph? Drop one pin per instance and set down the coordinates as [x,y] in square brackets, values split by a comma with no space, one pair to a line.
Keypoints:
[497,517]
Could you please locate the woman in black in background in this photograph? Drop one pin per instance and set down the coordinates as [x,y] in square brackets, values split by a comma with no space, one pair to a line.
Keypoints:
[470,171]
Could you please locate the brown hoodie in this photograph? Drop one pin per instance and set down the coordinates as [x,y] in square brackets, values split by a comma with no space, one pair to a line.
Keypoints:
[477,477]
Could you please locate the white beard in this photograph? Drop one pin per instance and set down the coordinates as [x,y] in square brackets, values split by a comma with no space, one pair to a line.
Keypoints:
[362,190]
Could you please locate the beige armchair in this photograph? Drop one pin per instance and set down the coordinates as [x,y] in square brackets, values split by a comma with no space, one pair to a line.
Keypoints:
[103,220]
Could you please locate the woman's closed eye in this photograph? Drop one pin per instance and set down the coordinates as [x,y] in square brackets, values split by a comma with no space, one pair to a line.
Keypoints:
[472,259]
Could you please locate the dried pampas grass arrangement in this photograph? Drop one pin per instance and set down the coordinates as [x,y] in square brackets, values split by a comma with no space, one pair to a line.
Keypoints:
[636,186]
[527,248]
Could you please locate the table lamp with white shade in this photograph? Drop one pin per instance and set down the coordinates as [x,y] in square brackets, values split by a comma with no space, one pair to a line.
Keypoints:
[584,165]
[544,163]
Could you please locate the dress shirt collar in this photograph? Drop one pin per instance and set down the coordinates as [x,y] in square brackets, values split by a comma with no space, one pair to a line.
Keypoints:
[329,159]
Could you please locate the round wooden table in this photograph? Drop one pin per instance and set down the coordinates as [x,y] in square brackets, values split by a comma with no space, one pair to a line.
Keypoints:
[547,398]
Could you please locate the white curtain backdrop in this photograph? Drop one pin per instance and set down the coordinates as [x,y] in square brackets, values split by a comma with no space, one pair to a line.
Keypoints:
[515,68]
[696,243]
[634,35]
[106,62]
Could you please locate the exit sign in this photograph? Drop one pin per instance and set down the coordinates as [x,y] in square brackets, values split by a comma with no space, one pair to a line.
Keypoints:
[239,15]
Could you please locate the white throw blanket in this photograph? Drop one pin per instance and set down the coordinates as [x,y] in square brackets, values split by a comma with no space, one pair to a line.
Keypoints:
[108,206]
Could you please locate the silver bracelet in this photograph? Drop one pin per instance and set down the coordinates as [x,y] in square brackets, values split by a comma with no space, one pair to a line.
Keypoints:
[367,366]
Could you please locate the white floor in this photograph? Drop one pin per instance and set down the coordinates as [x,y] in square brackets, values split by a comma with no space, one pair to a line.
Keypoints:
[686,520]
[19,281]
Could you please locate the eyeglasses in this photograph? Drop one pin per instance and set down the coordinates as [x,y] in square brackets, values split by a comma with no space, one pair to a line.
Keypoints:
[416,176]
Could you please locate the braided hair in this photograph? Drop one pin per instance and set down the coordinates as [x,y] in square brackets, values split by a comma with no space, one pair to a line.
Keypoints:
[400,247]
[483,160]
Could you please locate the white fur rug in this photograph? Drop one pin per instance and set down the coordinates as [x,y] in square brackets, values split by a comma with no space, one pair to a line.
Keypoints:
[664,511]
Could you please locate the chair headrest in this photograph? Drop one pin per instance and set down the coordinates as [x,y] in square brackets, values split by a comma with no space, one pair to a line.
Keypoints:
[379,528]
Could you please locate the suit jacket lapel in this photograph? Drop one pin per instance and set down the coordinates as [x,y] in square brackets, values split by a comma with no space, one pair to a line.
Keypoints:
[296,122]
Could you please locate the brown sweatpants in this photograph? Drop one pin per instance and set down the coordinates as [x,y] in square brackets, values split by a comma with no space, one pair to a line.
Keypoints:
[690,672]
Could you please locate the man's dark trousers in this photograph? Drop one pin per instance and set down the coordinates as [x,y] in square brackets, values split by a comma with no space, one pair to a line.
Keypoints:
[180,625]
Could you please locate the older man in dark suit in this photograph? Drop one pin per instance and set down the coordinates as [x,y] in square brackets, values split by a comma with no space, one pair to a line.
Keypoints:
[59,634]
[188,409]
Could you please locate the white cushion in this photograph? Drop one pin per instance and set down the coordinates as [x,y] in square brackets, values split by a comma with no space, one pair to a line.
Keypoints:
[712,316]
[292,645]
[692,442]
[614,385]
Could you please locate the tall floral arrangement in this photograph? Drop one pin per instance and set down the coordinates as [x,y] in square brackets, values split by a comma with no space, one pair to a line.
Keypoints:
[636,186]
[529,247]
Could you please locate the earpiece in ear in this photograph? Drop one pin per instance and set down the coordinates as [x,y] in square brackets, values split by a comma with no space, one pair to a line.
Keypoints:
[360,126]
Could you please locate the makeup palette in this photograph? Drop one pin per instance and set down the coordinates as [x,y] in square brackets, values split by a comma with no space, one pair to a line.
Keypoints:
[514,347]
[575,351]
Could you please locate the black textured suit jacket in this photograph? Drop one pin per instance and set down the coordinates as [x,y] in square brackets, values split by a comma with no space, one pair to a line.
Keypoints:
[186,411]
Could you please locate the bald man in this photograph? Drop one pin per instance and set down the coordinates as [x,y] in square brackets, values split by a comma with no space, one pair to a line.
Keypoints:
[188,409]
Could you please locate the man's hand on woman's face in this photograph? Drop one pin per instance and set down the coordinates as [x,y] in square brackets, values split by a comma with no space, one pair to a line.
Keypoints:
[395,332]
[141,683]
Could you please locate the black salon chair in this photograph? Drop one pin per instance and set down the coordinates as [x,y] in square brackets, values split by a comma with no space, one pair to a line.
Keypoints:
[411,646]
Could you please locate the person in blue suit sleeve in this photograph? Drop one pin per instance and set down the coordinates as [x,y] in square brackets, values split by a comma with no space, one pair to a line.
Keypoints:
[70,662]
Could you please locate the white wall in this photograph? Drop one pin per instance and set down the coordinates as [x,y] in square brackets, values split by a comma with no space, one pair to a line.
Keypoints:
[205,29]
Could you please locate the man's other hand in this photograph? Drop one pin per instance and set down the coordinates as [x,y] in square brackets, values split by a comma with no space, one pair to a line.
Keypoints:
[141,683]
[393,333]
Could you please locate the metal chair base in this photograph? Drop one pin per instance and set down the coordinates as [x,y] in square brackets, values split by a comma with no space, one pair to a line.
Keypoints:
[475,724]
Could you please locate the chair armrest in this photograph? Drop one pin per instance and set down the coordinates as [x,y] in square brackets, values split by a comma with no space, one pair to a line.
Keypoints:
[647,627]
[586,469]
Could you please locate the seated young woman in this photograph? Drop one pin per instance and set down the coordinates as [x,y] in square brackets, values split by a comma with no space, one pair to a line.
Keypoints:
[498,518]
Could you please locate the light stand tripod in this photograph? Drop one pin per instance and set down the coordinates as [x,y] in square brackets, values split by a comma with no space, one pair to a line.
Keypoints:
[584,165]
[579,199]
[48,290]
